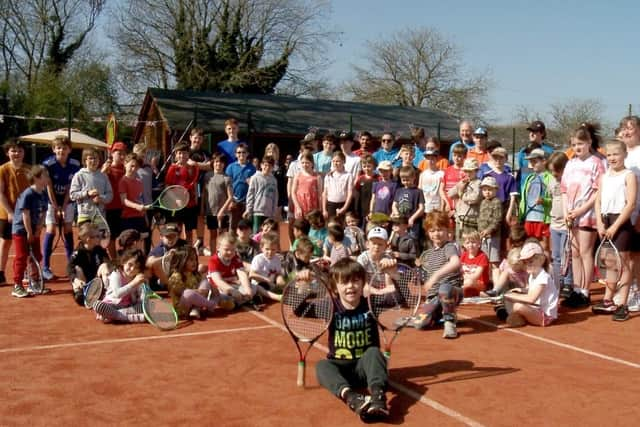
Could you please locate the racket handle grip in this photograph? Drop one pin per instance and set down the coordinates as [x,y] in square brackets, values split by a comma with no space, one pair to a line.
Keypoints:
[301,371]
[387,354]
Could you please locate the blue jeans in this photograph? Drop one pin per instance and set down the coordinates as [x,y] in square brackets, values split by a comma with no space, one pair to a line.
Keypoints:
[558,241]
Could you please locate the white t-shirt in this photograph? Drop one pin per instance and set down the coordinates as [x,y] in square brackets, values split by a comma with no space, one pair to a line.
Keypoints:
[352,165]
[548,299]
[266,267]
[632,162]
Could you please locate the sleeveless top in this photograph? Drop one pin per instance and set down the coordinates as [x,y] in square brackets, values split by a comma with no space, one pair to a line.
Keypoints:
[613,195]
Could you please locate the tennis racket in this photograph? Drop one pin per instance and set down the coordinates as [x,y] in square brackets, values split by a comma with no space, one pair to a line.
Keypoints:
[34,273]
[393,300]
[158,312]
[105,232]
[482,300]
[173,198]
[307,312]
[536,191]
[92,291]
[608,263]
[565,260]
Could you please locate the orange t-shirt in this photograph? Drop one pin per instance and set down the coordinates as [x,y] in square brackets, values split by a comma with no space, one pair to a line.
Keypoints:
[441,164]
[480,157]
[14,181]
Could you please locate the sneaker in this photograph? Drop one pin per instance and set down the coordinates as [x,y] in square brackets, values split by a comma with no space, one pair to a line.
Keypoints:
[19,292]
[378,406]
[47,274]
[577,300]
[501,312]
[358,403]
[450,330]
[566,291]
[402,321]
[604,307]
[621,314]
[44,291]
[516,321]
[421,321]
[3,279]
[194,313]
[633,303]
[78,297]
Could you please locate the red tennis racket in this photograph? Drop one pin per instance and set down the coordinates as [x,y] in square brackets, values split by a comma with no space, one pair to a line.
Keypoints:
[307,311]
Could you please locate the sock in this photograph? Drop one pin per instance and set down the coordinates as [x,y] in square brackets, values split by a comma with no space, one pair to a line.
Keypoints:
[68,244]
[48,248]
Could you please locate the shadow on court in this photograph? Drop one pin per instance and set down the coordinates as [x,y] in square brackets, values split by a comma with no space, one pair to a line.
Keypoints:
[419,378]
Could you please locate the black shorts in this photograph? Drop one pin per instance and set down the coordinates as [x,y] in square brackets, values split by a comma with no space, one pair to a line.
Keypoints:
[188,217]
[635,242]
[114,219]
[137,223]
[624,236]
[212,222]
[5,229]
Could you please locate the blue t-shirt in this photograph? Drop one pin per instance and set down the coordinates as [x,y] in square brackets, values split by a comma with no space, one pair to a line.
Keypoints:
[407,200]
[523,164]
[61,175]
[239,175]
[228,148]
[383,193]
[392,156]
[36,204]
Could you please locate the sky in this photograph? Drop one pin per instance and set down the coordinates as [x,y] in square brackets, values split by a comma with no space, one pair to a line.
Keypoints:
[537,52]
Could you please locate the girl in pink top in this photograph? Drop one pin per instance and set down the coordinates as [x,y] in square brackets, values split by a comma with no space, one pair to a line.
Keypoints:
[579,185]
[306,188]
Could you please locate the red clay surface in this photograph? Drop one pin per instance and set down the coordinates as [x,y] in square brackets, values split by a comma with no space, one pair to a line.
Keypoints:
[59,366]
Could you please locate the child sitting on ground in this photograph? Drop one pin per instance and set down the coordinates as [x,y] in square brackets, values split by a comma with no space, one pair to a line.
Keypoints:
[441,266]
[376,258]
[354,233]
[539,304]
[122,301]
[347,366]
[269,225]
[85,260]
[337,249]
[475,266]
[403,247]
[246,247]
[190,292]
[317,231]
[266,266]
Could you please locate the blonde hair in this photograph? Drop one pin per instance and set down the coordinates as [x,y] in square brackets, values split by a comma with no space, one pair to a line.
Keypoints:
[471,235]
[227,238]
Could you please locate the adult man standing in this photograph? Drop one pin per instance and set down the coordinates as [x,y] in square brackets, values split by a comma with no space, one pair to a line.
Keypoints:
[537,136]
[466,138]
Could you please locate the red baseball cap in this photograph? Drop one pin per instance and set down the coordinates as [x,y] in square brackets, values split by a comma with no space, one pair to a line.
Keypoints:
[119,146]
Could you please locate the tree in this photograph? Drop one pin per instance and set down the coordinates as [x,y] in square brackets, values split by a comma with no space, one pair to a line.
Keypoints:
[419,68]
[224,45]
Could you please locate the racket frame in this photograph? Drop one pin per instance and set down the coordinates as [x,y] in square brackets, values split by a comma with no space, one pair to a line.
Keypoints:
[148,294]
[94,283]
[406,316]
[158,201]
[36,283]
[105,232]
[609,246]
[301,380]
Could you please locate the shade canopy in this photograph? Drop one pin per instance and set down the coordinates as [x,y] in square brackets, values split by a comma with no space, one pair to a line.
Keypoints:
[78,139]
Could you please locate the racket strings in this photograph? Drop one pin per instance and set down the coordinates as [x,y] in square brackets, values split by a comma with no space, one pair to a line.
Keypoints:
[160,313]
[174,198]
[307,308]
[394,298]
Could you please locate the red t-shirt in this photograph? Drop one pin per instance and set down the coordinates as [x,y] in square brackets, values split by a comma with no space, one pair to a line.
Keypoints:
[226,270]
[133,188]
[480,260]
[452,176]
[115,174]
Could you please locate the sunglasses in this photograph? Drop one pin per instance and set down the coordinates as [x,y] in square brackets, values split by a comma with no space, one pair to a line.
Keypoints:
[241,152]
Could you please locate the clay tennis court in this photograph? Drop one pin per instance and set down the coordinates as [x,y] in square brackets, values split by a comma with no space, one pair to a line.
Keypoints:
[59,366]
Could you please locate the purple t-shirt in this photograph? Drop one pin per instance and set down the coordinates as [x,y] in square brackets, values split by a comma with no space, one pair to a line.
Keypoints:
[506,184]
[383,192]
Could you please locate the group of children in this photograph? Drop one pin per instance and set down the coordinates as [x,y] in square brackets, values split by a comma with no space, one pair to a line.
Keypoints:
[460,224]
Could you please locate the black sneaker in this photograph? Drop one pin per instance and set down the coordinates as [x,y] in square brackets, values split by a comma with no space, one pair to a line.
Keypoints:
[358,403]
[577,300]
[501,312]
[3,279]
[604,307]
[378,406]
[491,293]
[566,291]
[621,314]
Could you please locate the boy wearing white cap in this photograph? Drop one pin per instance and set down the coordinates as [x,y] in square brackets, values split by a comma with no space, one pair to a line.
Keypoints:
[375,258]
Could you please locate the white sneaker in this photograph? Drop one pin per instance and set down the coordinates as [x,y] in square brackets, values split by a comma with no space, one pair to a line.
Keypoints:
[194,313]
[633,303]
[450,330]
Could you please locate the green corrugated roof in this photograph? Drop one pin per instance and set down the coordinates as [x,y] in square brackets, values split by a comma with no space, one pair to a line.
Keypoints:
[274,114]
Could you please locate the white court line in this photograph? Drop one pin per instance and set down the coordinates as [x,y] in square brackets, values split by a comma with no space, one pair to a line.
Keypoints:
[553,342]
[399,387]
[124,340]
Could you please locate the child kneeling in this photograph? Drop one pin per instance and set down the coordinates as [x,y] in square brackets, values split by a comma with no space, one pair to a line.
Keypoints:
[443,286]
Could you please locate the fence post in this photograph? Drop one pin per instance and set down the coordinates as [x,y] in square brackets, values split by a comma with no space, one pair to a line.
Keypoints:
[513,151]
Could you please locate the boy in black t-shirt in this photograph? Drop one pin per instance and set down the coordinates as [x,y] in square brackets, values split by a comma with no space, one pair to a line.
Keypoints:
[354,358]
[86,260]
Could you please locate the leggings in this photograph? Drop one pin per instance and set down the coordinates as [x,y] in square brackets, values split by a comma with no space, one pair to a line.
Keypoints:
[444,304]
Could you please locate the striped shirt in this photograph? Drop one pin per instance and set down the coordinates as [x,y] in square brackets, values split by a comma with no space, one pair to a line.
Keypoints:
[433,259]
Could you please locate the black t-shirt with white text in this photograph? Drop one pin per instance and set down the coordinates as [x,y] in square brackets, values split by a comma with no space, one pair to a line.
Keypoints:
[352,332]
